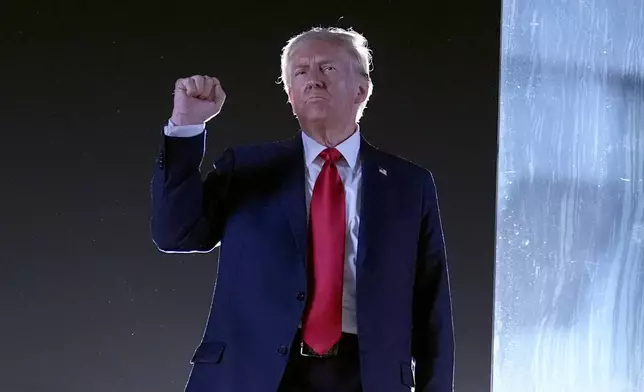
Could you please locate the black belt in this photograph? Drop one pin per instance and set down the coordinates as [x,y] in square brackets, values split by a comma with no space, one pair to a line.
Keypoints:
[347,345]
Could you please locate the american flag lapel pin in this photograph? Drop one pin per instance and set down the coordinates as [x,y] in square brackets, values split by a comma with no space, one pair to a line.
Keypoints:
[382,171]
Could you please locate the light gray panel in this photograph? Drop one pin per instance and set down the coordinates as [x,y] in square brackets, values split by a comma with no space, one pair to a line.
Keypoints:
[569,287]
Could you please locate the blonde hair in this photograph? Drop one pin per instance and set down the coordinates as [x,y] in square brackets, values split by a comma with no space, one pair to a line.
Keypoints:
[354,42]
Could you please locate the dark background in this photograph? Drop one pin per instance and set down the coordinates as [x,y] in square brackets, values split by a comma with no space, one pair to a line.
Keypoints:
[87,303]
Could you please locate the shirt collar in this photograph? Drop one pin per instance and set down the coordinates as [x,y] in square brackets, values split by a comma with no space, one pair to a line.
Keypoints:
[348,148]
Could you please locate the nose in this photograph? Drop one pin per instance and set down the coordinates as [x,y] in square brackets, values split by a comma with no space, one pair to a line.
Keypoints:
[315,83]
[315,80]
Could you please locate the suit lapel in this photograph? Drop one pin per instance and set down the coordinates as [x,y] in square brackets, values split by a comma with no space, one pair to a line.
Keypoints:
[375,185]
[294,200]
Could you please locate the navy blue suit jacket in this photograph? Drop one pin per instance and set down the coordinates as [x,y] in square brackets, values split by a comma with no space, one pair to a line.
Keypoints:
[253,203]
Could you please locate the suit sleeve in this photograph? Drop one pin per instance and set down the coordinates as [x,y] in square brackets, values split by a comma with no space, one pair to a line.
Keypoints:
[188,213]
[433,341]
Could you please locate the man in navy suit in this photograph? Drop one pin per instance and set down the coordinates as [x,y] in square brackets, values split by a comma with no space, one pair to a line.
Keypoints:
[332,270]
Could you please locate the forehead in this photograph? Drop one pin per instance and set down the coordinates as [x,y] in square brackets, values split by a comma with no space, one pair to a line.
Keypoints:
[318,51]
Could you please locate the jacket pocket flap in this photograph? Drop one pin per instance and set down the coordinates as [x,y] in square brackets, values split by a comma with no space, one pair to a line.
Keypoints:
[210,352]
[407,374]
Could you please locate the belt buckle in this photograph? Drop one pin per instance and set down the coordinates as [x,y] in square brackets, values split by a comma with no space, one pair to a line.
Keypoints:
[305,351]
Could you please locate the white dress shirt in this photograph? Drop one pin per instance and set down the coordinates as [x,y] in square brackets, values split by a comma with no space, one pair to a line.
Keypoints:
[350,170]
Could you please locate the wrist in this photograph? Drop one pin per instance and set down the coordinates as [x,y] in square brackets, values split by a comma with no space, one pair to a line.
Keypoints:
[179,119]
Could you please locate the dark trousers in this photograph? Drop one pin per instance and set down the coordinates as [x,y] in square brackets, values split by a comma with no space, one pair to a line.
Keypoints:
[339,373]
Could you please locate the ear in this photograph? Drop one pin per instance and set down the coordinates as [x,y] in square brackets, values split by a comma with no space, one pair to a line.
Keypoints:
[288,95]
[290,101]
[361,95]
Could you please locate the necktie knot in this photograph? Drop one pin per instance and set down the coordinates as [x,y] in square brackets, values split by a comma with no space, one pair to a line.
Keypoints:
[331,155]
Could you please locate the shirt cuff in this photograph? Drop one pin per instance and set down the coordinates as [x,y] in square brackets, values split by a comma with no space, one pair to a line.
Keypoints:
[183,130]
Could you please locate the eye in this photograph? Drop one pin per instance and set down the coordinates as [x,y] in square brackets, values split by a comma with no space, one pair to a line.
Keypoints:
[328,68]
[299,72]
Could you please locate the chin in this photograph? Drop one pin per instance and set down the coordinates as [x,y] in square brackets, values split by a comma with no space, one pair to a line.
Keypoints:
[314,116]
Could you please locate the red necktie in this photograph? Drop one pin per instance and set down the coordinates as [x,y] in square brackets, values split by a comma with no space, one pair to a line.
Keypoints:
[322,325]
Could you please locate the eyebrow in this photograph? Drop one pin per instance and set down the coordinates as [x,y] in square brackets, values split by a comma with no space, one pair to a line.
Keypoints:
[301,64]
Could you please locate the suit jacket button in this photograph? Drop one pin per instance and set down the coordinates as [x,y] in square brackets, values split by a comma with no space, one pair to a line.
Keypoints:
[300,296]
[282,350]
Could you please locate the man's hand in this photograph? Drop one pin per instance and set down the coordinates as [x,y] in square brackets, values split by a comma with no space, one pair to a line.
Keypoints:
[197,99]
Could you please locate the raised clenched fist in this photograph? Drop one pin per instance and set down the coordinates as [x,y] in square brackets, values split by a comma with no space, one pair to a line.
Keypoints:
[197,99]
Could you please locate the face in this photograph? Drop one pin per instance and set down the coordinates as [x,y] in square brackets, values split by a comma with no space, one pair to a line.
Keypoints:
[324,83]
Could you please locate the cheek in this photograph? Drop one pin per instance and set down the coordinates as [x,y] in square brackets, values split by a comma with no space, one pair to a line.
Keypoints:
[342,87]
[296,101]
